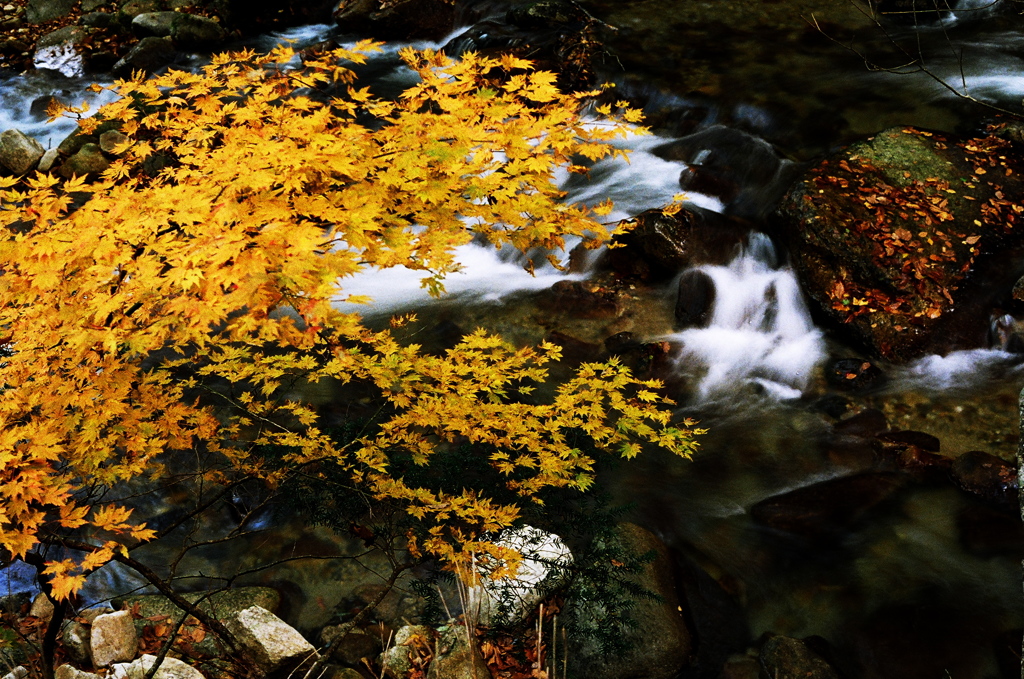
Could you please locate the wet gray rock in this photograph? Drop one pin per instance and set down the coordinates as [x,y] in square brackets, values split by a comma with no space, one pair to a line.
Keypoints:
[788,658]
[662,644]
[695,300]
[75,636]
[196,32]
[93,5]
[914,452]
[41,11]
[113,639]
[153,24]
[556,35]
[98,19]
[272,642]
[110,140]
[148,55]
[19,153]
[88,161]
[68,35]
[456,657]
[854,374]
[39,106]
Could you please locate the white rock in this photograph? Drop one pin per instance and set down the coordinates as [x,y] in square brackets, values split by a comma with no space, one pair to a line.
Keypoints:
[170,668]
[19,672]
[543,553]
[113,639]
[272,642]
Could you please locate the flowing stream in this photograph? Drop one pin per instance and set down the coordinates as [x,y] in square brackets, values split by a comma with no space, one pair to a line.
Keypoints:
[910,588]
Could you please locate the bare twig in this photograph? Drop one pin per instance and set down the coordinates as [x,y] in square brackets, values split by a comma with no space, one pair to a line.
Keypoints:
[915,63]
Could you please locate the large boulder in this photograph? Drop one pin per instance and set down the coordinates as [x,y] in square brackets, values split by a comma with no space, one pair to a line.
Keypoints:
[908,238]
[19,153]
[190,31]
[113,639]
[272,643]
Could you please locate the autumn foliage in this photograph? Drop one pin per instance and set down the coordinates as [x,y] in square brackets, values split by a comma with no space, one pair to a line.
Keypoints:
[177,303]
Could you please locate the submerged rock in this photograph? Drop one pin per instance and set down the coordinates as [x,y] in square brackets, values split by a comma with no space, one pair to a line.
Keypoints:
[787,658]
[829,509]
[854,374]
[988,477]
[899,238]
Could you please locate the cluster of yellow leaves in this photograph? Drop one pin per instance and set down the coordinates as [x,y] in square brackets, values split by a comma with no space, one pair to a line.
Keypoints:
[126,300]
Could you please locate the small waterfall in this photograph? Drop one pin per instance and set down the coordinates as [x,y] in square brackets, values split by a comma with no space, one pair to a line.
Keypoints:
[759,331]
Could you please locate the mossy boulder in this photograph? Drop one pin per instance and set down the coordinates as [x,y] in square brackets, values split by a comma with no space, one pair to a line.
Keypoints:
[904,240]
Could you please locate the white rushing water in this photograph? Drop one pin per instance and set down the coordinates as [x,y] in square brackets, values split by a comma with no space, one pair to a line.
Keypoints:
[760,330]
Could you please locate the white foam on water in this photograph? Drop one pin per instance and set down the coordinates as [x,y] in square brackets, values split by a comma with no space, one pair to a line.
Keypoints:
[760,330]
[642,182]
[484,276]
[63,58]
[967,370]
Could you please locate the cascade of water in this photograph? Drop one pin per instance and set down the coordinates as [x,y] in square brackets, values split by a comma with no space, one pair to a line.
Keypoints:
[760,330]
